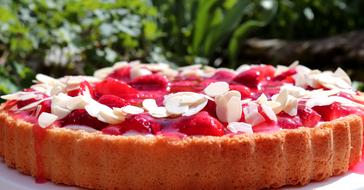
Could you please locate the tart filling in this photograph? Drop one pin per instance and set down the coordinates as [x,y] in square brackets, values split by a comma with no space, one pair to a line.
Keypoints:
[154,99]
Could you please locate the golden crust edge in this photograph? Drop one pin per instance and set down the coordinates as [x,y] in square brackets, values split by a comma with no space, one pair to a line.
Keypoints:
[74,157]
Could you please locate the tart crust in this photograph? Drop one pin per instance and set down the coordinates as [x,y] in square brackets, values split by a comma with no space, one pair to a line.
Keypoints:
[261,160]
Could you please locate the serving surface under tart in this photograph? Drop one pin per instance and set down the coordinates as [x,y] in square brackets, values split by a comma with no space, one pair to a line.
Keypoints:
[148,126]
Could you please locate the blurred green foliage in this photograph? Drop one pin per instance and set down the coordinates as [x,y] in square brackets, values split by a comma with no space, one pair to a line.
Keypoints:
[60,37]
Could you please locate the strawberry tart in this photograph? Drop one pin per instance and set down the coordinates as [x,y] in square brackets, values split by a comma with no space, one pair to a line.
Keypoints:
[149,126]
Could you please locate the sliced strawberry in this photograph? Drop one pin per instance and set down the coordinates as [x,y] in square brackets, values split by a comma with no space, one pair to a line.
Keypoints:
[266,127]
[286,121]
[81,117]
[122,74]
[200,124]
[112,101]
[184,86]
[331,112]
[73,93]
[153,82]
[308,116]
[285,75]
[250,78]
[244,91]
[117,88]
[210,108]
[222,75]
[270,88]
[141,123]
[86,86]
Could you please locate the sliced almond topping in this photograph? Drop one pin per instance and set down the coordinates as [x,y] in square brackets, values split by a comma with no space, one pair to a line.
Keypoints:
[269,112]
[252,115]
[132,110]
[103,73]
[20,96]
[149,104]
[228,106]
[33,105]
[108,116]
[159,112]
[181,103]
[195,108]
[46,119]
[138,72]
[342,74]
[236,127]
[216,88]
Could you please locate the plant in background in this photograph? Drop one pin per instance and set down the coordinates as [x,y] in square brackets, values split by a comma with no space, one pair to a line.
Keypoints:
[209,31]
[71,36]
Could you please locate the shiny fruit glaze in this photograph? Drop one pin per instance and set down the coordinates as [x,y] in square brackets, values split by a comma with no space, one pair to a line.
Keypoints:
[118,89]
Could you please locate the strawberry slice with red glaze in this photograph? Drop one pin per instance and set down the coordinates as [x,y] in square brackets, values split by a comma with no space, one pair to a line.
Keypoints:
[308,116]
[210,108]
[185,86]
[117,88]
[250,78]
[222,75]
[286,121]
[122,74]
[255,75]
[112,101]
[284,75]
[331,112]
[141,123]
[81,117]
[153,82]
[244,91]
[200,124]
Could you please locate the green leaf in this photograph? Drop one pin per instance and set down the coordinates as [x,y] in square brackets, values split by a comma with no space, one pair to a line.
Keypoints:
[202,22]
[230,21]
[240,33]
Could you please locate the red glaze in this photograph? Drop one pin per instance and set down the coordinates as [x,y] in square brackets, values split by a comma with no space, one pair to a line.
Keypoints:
[81,117]
[122,74]
[308,116]
[200,124]
[112,101]
[222,75]
[39,136]
[153,82]
[117,88]
[286,121]
[141,123]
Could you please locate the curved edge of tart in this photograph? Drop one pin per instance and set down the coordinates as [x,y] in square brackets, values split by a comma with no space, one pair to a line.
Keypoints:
[94,160]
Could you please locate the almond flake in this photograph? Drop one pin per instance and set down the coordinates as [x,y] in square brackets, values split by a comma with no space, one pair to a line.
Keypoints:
[216,88]
[180,102]
[138,72]
[46,119]
[159,112]
[20,96]
[342,74]
[236,127]
[33,105]
[149,104]
[103,73]
[132,110]
[195,109]
[228,106]
[269,112]
[252,115]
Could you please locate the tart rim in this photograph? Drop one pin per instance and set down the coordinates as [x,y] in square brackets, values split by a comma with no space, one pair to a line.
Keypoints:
[342,137]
